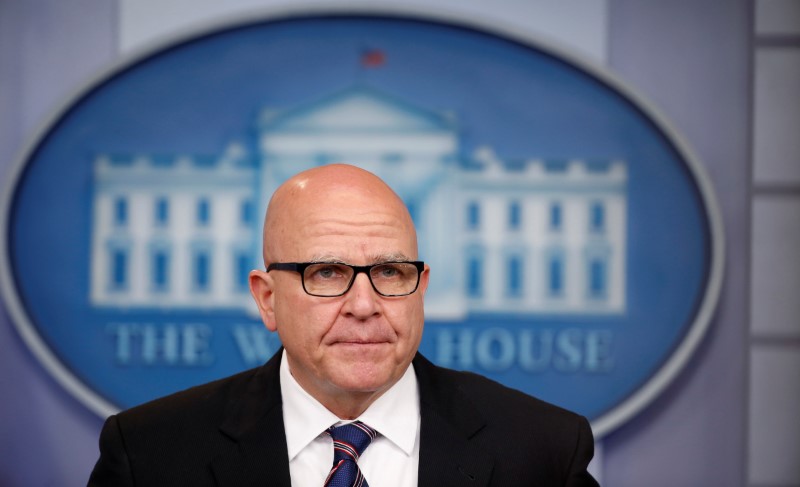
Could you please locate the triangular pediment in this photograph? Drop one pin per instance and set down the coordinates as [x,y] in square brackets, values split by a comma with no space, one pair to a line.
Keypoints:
[356,109]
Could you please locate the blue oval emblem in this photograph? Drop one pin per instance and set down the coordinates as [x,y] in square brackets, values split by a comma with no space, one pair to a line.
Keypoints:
[574,243]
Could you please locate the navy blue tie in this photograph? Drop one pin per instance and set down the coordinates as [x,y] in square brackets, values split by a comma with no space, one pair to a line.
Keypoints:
[349,442]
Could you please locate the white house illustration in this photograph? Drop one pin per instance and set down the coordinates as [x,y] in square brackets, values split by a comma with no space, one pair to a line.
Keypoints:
[524,236]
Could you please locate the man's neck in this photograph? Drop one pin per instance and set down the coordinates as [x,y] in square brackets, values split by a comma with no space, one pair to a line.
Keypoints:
[350,405]
[345,405]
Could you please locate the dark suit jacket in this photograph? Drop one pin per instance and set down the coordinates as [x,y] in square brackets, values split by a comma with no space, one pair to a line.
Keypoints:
[474,432]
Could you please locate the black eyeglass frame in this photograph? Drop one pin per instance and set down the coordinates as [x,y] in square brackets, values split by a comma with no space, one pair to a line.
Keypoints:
[300,268]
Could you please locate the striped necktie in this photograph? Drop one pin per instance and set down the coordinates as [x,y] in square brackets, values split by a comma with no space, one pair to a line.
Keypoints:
[349,442]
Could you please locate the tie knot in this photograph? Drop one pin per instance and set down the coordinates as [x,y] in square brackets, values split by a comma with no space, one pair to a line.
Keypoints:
[350,440]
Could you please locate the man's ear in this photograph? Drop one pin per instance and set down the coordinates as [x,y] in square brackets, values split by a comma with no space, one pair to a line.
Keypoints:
[424,278]
[261,287]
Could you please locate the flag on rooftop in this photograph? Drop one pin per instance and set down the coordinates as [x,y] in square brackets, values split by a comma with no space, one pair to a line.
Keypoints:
[372,58]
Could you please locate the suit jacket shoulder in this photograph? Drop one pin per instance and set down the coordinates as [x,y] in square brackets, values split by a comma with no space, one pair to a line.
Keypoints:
[214,434]
[479,430]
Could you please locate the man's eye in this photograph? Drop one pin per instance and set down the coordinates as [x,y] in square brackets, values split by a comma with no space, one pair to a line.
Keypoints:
[325,272]
[389,272]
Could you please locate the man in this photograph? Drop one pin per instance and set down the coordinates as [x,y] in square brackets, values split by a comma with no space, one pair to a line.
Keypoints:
[344,292]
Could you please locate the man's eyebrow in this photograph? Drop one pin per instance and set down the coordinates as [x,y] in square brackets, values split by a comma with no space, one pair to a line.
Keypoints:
[394,257]
[375,259]
[327,259]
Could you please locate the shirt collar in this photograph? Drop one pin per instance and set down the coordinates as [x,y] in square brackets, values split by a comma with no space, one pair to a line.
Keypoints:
[395,415]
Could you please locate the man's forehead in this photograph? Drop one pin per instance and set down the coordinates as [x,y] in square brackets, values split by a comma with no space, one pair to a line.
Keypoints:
[316,215]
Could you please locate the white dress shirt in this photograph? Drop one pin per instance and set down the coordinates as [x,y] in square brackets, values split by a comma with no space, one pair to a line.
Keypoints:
[391,460]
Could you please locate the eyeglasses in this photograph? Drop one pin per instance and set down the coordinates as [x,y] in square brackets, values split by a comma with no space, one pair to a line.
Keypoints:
[329,280]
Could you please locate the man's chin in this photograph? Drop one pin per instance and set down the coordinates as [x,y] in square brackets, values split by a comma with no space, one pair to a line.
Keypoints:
[366,378]
[365,368]
[368,355]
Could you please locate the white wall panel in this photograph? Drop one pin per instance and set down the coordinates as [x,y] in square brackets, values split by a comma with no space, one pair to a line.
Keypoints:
[776,144]
[774,406]
[776,267]
[778,17]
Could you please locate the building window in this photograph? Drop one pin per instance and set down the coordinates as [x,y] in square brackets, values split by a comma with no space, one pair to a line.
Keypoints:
[597,217]
[514,215]
[120,212]
[598,278]
[555,275]
[474,276]
[412,210]
[515,276]
[242,265]
[201,266]
[203,212]
[556,216]
[159,271]
[246,212]
[161,212]
[119,269]
[323,158]
[473,215]
[393,157]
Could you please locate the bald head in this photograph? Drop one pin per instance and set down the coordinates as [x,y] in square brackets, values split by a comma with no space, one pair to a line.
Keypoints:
[340,200]
[345,350]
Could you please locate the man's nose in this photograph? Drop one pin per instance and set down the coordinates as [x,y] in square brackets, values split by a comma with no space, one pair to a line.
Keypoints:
[362,299]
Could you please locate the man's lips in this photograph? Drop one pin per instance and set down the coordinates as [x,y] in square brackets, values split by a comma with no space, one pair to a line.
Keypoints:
[360,342]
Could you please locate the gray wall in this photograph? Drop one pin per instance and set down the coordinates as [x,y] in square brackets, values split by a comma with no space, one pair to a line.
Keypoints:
[696,62]
[48,50]
[692,60]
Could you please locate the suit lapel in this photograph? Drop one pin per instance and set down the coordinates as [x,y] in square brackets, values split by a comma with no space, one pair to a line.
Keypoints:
[448,455]
[253,422]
